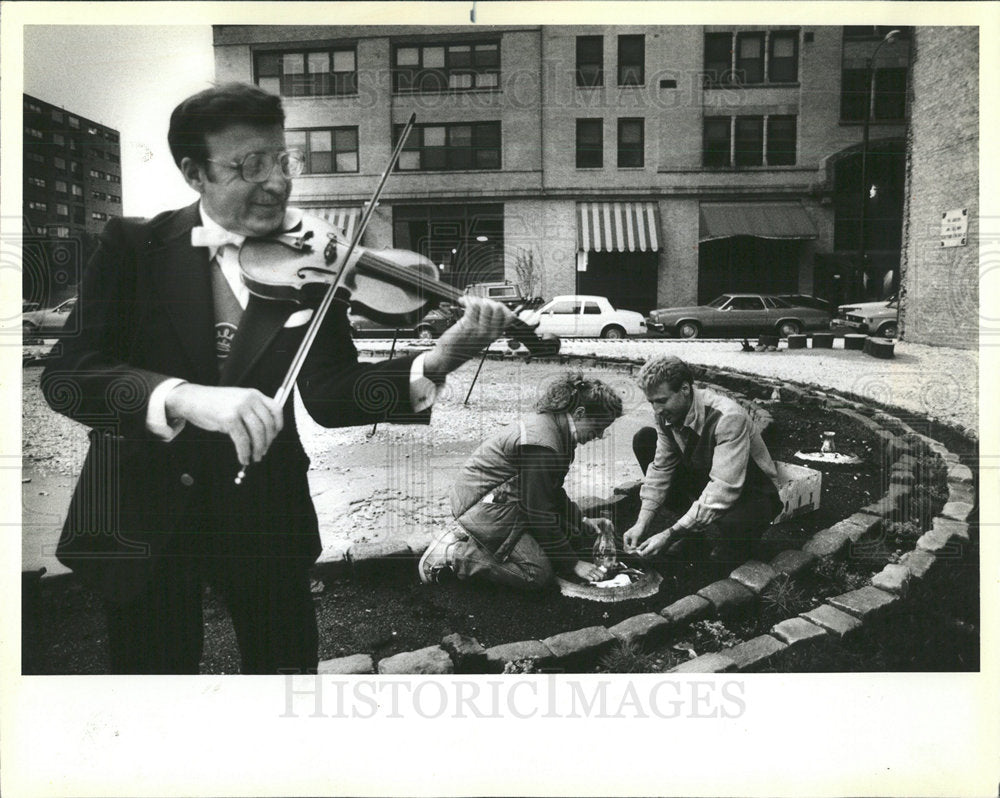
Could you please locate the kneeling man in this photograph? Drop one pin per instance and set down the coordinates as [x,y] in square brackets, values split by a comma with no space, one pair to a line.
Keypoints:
[707,472]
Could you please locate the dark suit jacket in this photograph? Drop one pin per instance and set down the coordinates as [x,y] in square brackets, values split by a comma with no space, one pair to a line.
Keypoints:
[146,314]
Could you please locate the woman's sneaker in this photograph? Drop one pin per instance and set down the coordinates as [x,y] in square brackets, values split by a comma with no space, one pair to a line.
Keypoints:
[437,562]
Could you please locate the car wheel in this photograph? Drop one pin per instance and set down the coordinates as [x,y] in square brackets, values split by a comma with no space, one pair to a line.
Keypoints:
[688,329]
[787,328]
[613,333]
[425,334]
[29,334]
[888,330]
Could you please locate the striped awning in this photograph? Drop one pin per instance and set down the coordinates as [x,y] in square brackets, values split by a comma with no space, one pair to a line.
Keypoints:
[344,219]
[786,220]
[618,226]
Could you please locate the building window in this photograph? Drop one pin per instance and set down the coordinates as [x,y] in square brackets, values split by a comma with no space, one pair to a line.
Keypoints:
[890,95]
[35,133]
[440,67]
[61,186]
[631,142]
[718,58]
[62,209]
[715,146]
[98,195]
[631,60]
[311,73]
[59,163]
[59,232]
[30,106]
[38,206]
[449,147]
[95,174]
[57,116]
[36,157]
[327,150]
[36,181]
[783,61]
[749,149]
[74,122]
[74,167]
[58,139]
[750,58]
[78,216]
[589,61]
[589,143]
[77,190]
[781,140]
[98,216]
[92,131]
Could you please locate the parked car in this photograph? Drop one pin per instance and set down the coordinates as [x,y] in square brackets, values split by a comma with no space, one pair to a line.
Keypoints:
[46,321]
[880,319]
[741,314]
[807,301]
[506,292]
[429,327]
[585,317]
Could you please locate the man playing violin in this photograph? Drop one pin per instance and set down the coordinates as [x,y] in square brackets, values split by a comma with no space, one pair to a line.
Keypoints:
[174,370]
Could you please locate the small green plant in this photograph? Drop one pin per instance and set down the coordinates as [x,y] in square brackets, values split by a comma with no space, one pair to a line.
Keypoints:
[711,636]
[902,534]
[627,658]
[839,576]
[526,665]
[783,598]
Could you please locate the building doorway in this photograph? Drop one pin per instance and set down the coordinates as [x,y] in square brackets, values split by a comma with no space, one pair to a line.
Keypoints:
[627,279]
[747,264]
[464,241]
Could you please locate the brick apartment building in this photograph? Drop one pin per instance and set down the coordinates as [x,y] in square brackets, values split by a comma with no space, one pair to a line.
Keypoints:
[72,186]
[656,165]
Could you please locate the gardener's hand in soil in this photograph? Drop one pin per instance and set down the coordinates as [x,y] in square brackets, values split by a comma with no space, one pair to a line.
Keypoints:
[482,323]
[655,544]
[588,571]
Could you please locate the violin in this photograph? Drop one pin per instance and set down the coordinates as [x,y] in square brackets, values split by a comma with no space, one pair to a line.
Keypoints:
[395,287]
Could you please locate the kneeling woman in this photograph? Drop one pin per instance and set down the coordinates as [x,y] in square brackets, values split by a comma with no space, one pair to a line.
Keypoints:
[516,525]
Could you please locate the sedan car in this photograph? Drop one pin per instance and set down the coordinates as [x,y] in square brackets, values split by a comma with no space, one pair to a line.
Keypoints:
[46,321]
[741,314]
[873,318]
[429,327]
[585,317]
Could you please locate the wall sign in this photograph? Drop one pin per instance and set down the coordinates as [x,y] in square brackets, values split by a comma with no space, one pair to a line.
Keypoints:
[955,227]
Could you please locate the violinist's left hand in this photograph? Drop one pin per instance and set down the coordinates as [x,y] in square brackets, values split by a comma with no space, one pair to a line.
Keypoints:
[482,323]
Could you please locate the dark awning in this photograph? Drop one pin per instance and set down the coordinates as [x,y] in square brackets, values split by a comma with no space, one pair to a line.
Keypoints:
[761,219]
[618,226]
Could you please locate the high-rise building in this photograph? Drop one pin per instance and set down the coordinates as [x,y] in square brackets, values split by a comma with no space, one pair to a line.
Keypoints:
[72,186]
[655,165]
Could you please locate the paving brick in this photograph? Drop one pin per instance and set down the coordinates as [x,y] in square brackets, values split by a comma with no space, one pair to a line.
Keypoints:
[354,664]
[498,656]
[707,663]
[828,542]
[468,654]
[864,602]
[958,511]
[959,492]
[756,652]
[687,610]
[861,526]
[833,620]
[945,537]
[894,578]
[754,575]
[430,660]
[580,645]
[792,561]
[960,473]
[794,631]
[918,562]
[902,477]
[648,627]
[370,559]
[727,595]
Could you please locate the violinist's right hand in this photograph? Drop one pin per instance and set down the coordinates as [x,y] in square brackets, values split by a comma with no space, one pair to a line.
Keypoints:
[251,419]
[483,322]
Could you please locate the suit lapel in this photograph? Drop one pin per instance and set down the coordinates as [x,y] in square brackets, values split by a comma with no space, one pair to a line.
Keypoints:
[183,281]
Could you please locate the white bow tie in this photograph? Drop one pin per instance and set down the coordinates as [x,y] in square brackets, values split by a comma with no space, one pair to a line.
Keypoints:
[214,237]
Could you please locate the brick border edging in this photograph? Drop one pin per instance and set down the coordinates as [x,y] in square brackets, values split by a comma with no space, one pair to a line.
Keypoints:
[839,616]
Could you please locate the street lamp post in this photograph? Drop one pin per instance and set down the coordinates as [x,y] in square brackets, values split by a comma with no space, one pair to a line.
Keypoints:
[869,112]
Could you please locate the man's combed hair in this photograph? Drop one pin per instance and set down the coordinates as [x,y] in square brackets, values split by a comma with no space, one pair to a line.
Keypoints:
[216,109]
[573,390]
[664,369]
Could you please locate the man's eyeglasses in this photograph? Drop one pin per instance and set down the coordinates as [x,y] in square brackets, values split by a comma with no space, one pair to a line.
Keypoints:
[256,167]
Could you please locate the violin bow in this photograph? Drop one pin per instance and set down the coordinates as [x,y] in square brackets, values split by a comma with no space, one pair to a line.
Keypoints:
[288,383]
